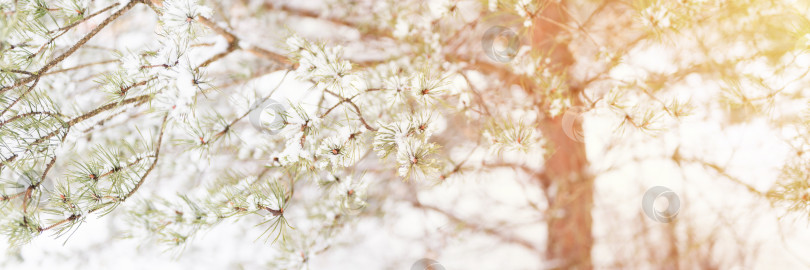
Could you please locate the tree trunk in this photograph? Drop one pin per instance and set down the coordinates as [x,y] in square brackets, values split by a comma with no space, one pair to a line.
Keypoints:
[570,188]
[566,180]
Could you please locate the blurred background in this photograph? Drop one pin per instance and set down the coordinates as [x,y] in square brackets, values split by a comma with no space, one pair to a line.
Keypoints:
[705,98]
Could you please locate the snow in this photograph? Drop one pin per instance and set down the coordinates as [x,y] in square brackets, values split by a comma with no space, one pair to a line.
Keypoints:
[752,152]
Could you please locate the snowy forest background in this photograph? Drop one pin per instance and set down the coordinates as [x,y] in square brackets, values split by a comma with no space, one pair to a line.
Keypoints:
[129,138]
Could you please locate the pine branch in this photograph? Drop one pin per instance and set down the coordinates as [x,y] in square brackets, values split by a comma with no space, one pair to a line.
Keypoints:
[356,109]
[81,66]
[370,31]
[65,29]
[722,171]
[154,163]
[135,100]
[74,24]
[24,115]
[73,48]
[233,42]
[129,194]
[17,71]
[490,231]
[30,88]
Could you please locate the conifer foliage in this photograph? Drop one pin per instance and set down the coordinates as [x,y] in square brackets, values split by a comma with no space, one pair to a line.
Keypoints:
[187,113]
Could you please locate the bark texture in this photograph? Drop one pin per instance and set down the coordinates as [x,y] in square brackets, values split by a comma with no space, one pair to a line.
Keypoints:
[566,179]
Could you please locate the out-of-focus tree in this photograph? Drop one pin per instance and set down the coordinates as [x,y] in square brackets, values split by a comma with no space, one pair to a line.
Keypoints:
[391,98]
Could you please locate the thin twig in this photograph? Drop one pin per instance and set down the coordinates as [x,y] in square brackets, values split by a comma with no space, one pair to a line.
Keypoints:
[73,48]
[154,163]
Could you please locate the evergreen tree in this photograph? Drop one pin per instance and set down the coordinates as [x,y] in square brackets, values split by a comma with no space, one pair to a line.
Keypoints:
[101,100]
